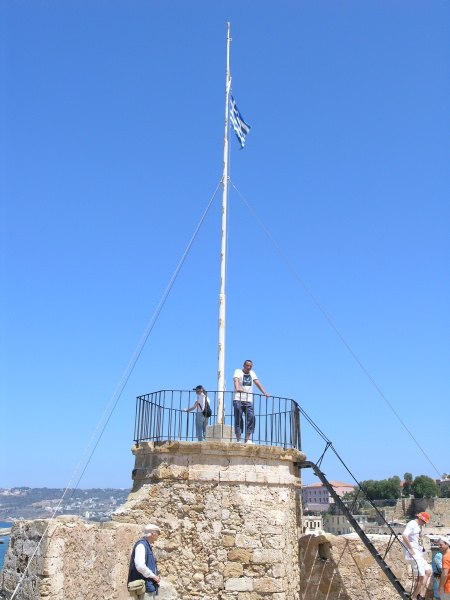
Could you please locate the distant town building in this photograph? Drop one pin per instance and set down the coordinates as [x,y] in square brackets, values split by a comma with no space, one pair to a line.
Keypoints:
[339,525]
[316,497]
[312,524]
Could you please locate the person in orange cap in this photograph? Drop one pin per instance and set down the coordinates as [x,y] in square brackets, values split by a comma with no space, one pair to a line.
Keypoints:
[413,550]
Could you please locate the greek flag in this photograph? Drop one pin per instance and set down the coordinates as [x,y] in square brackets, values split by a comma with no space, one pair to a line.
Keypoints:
[237,120]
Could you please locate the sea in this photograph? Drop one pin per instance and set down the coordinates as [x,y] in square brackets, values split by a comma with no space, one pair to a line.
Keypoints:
[5,538]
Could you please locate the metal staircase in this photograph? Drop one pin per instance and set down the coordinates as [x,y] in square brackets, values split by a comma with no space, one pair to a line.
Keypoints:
[370,547]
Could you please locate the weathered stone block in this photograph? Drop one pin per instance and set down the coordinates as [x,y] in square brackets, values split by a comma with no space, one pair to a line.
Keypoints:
[215,581]
[240,555]
[233,570]
[241,584]
[253,570]
[276,541]
[267,556]
[268,585]
[247,541]
[278,570]
[229,540]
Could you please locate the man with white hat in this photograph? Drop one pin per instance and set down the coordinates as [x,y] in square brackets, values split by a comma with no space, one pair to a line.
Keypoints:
[444,581]
[143,563]
[413,550]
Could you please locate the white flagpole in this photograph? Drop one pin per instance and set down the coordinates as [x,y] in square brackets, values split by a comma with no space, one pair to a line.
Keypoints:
[223,251]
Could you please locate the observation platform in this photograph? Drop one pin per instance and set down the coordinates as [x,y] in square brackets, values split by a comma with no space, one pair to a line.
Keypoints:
[161,416]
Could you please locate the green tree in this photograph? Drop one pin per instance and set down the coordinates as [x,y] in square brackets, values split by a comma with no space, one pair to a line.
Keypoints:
[424,487]
[370,487]
[357,498]
[407,485]
[350,496]
[444,491]
[382,489]
[391,488]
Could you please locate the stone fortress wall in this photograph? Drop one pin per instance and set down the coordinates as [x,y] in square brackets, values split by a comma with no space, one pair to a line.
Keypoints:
[406,508]
[231,520]
[76,559]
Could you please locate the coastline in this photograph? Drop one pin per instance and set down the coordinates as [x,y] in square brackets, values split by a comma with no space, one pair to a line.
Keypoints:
[5,531]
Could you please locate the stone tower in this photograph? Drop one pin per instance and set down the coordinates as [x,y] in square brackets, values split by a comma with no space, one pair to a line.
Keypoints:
[230,513]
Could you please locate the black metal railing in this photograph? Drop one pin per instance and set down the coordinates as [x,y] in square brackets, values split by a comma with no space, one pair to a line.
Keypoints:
[161,416]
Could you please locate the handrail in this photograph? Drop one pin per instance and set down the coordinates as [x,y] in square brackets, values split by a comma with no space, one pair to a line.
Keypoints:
[161,416]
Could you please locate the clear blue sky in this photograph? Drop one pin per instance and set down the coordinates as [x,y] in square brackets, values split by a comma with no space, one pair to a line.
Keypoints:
[111,137]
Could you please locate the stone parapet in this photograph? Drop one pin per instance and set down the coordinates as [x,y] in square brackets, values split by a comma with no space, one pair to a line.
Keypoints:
[72,560]
[77,560]
[341,568]
[216,461]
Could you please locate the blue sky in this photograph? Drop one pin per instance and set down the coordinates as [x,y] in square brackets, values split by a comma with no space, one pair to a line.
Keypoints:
[111,141]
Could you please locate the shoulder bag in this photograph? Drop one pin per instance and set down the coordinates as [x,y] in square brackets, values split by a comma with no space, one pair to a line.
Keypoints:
[136,587]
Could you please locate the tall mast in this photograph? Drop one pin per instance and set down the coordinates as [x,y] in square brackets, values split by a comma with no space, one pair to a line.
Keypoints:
[223,250]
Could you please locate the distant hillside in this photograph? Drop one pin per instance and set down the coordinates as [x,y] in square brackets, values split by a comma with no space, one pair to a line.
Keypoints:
[94,504]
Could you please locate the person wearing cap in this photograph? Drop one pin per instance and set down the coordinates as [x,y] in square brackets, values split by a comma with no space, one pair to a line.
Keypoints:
[413,551]
[200,419]
[243,400]
[436,565]
[444,580]
[143,563]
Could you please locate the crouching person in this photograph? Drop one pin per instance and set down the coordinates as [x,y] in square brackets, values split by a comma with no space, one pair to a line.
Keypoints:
[143,578]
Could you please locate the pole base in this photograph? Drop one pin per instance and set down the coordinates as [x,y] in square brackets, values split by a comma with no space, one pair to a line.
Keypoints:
[220,433]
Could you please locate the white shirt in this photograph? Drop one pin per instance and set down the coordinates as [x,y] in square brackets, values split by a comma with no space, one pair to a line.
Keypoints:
[200,402]
[139,562]
[246,383]
[413,531]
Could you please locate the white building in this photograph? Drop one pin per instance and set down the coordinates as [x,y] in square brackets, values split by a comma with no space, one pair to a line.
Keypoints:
[312,524]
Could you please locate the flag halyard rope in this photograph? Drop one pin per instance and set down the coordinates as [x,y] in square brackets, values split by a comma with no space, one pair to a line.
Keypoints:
[333,326]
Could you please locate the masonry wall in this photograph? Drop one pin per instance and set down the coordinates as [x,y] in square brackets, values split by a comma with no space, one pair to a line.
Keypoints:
[75,560]
[231,529]
[79,560]
[230,515]
[341,568]
[439,509]
[406,508]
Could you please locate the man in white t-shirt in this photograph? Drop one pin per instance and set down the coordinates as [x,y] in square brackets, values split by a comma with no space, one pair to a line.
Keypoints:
[243,400]
[413,551]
